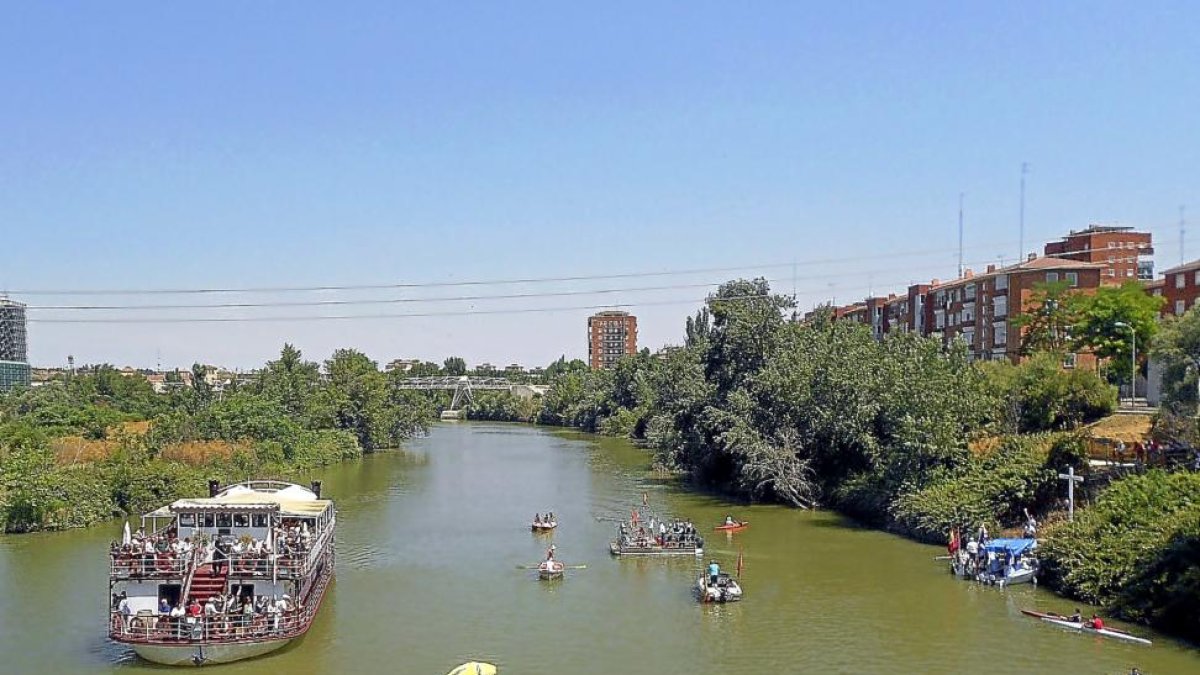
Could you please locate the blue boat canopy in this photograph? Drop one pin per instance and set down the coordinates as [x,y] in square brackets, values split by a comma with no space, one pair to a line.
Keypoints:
[1014,546]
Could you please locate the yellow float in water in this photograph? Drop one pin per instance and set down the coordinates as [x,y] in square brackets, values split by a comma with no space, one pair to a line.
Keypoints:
[474,668]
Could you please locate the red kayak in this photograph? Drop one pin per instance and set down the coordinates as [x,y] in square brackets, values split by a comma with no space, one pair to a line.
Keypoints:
[735,527]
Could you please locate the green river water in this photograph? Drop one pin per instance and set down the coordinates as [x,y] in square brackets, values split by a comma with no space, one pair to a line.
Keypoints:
[429,540]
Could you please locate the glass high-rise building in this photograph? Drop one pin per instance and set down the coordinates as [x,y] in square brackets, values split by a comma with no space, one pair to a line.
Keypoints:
[14,346]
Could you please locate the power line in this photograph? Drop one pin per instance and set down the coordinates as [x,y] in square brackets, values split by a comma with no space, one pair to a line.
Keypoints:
[407,315]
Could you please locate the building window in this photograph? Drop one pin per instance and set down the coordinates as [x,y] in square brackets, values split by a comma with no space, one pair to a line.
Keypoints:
[1196,281]
[1000,305]
[1112,244]
[1178,308]
[1179,281]
[1000,333]
[1002,282]
[1072,278]
[1051,277]
[1069,361]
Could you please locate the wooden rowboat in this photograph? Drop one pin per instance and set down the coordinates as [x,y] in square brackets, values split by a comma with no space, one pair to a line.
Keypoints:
[551,569]
[735,527]
[1066,622]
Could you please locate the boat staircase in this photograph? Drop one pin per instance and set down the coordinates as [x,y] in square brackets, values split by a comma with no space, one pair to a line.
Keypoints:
[203,580]
[205,583]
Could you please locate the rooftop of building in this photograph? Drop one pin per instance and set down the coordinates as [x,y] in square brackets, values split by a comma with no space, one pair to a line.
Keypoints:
[1185,267]
[1096,228]
[610,312]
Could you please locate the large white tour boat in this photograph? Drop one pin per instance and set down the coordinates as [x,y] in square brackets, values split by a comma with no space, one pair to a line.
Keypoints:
[232,576]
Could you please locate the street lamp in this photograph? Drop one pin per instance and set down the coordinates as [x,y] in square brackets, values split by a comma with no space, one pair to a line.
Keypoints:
[1132,361]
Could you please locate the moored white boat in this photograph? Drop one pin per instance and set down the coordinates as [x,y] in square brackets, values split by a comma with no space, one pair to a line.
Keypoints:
[543,526]
[233,576]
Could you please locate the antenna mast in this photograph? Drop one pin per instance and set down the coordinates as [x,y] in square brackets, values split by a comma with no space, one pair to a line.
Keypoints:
[960,235]
[1021,240]
[1181,233]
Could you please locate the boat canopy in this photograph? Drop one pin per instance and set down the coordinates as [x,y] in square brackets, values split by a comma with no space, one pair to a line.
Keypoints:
[1013,546]
[289,504]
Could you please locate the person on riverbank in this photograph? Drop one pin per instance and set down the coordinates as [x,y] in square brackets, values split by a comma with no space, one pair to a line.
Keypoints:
[1030,530]
[983,534]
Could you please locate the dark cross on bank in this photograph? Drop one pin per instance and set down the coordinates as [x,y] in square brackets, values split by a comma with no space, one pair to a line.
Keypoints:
[1071,479]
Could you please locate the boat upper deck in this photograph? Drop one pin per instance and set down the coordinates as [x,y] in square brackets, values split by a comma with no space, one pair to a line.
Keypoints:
[257,527]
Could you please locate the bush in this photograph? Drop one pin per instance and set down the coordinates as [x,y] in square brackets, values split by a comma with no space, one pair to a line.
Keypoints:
[1136,550]
[996,489]
[1039,395]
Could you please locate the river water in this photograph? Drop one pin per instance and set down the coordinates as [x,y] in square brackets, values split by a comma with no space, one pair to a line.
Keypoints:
[429,544]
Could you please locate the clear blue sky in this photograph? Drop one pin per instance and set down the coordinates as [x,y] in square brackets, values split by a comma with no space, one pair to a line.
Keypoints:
[150,145]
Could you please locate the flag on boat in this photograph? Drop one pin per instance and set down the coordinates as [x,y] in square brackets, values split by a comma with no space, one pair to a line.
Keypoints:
[740,564]
[125,536]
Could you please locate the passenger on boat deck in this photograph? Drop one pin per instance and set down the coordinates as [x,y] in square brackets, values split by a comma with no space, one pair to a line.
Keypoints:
[210,607]
[714,571]
[550,552]
[123,608]
[550,517]
[537,519]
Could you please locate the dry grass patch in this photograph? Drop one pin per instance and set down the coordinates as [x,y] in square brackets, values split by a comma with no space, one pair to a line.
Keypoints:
[200,453]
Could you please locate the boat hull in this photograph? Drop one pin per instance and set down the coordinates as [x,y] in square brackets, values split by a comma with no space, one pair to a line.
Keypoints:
[616,549]
[538,527]
[733,528]
[730,593]
[208,654]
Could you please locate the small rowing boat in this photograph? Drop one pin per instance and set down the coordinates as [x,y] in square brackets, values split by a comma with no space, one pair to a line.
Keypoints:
[1083,626]
[735,526]
[544,527]
[551,569]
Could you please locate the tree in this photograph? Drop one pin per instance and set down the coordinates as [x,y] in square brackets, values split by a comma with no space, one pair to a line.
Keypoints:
[455,365]
[1177,345]
[1096,318]
[1047,322]
[291,381]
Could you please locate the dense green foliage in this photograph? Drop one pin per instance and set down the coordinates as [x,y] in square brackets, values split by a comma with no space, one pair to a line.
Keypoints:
[995,489]
[1136,550]
[1039,395]
[287,420]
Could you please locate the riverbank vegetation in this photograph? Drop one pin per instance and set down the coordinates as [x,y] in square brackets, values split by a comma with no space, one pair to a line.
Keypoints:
[900,432]
[101,444]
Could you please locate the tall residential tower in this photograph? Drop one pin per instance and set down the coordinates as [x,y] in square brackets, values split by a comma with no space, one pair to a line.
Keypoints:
[611,335]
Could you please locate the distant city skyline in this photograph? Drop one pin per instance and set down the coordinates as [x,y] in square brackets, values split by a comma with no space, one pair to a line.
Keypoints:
[152,147]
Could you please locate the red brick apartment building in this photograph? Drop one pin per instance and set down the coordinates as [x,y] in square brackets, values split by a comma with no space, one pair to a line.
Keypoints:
[611,335]
[1118,248]
[1180,286]
[979,308]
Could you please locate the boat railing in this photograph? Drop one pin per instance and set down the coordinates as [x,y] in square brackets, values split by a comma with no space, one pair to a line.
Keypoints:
[151,627]
[136,566]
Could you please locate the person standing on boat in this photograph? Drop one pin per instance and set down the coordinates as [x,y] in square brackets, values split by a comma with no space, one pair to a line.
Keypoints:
[550,553]
[714,571]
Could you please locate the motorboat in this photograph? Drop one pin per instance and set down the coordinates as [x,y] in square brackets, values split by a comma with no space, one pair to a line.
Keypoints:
[1009,562]
[725,590]
[543,526]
